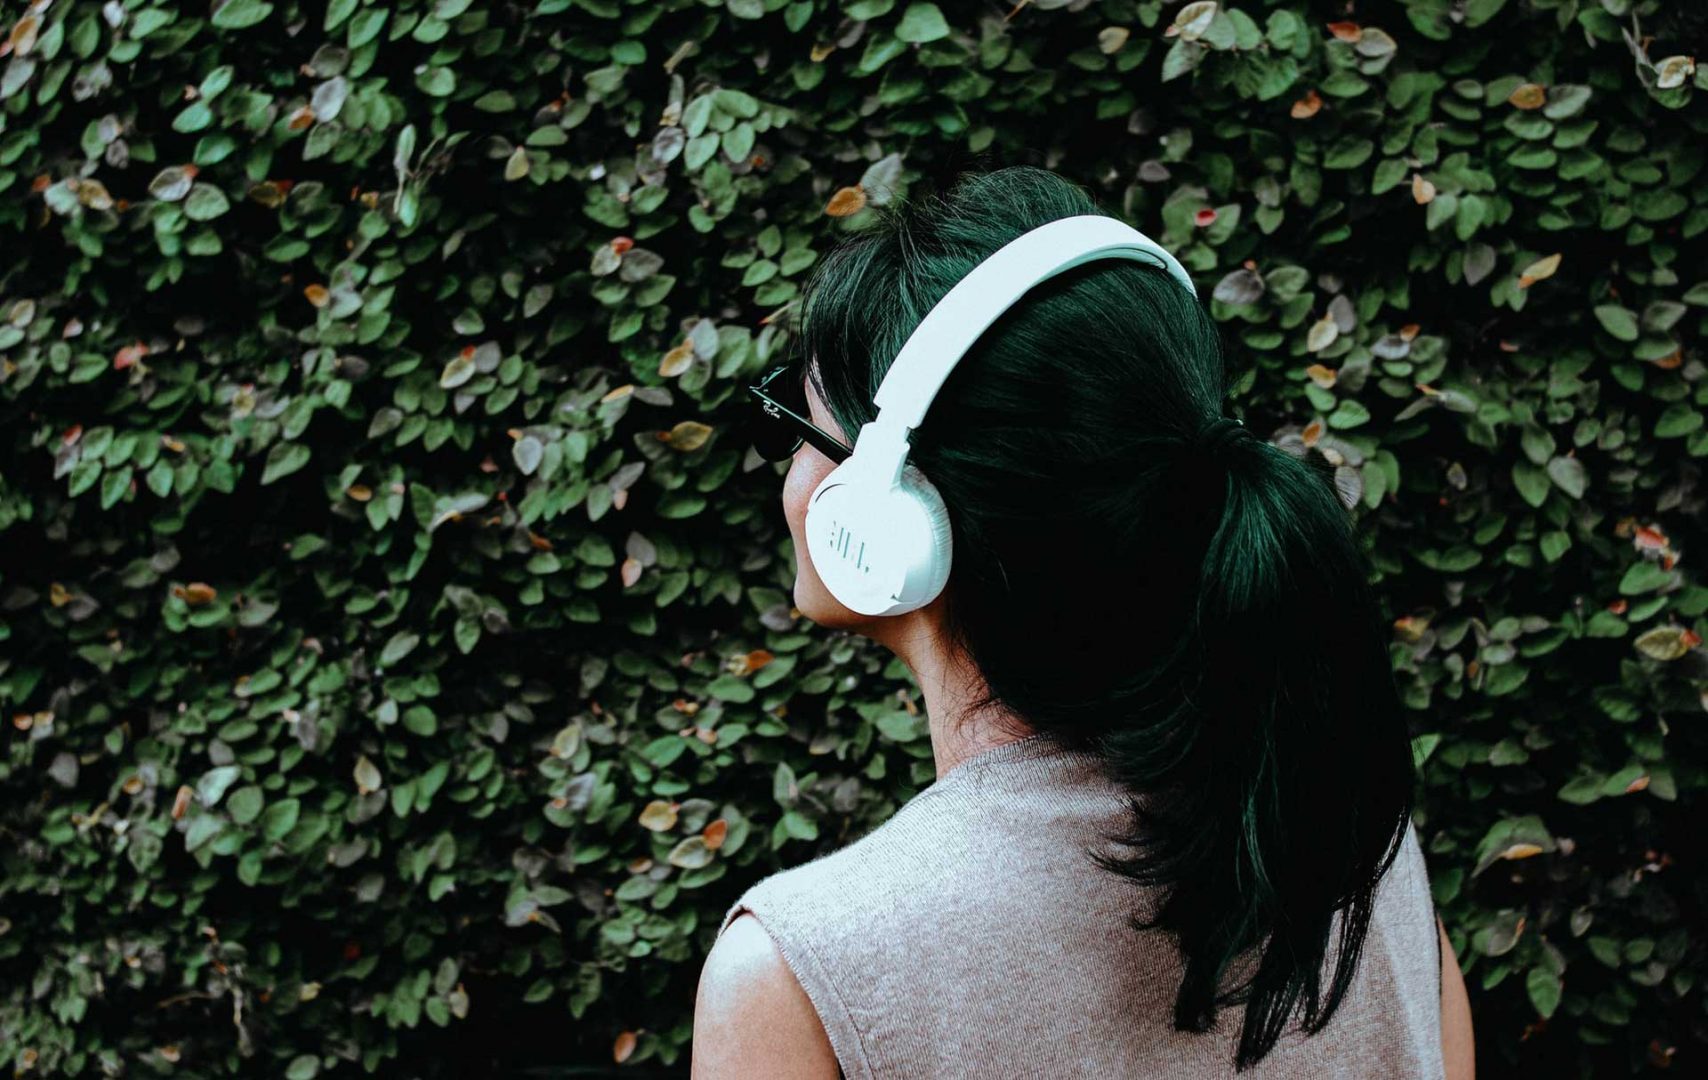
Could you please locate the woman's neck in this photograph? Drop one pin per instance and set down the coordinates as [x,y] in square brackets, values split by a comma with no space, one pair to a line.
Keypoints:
[949,683]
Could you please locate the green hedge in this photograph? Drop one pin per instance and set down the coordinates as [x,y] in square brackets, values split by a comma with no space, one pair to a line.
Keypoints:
[395,636]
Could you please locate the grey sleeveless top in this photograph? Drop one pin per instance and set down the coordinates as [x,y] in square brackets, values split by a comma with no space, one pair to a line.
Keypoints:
[969,935]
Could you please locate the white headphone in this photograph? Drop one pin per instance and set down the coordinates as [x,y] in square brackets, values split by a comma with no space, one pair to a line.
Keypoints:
[877,530]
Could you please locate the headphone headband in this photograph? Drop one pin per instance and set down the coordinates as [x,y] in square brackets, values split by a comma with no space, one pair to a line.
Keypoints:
[955,323]
[993,286]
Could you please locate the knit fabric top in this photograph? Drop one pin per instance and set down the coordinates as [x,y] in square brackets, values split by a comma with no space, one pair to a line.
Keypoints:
[971,936]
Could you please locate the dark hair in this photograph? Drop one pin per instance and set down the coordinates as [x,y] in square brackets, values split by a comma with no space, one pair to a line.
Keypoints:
[1207,626]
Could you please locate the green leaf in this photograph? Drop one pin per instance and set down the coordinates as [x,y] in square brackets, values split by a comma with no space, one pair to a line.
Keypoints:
[303,1067]
[205,202]
[245,804]
[1568,475]
[280,818]
[214,783]
[1544,989]
[1679,418]
[365,27]
[1422,747]
[401,645]
[238,14]
[798,825]
[436,81]
[284,459]
[1348,152]
[899,726]
[921,23]
[1619,321]
[731,688]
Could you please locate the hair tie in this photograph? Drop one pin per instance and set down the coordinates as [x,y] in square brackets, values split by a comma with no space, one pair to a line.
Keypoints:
[1218,434]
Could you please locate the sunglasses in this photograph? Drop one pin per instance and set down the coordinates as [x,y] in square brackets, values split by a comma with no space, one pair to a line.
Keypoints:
[778,417]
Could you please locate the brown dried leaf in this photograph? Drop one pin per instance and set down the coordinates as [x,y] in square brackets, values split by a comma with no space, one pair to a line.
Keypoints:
[1307,106]
[623,1047]
[848,200]
[713,834]
[195,593]
[1529,96]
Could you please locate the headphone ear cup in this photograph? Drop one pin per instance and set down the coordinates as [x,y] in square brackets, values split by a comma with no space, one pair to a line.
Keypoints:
[915,483]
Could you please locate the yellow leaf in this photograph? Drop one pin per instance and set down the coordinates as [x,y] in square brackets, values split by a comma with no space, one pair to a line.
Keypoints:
[677,360]
[1193,20]
[1540,270]
[517,166]
[1374,42]
[367,776]
[459,370]
[689,435]
[567,741]
[659,816]
[1673,71]
[1322,334]
[1111,38]
[1665,642]
[690,854]
[23,37]
[1521,851]
[1422,190]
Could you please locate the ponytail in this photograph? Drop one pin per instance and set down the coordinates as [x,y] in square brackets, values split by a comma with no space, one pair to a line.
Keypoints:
[1281,773]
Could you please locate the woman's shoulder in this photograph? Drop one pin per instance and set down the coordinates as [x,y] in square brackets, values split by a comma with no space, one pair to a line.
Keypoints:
[853,877]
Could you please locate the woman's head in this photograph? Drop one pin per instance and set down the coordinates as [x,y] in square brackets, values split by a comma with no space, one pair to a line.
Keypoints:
[1204,622]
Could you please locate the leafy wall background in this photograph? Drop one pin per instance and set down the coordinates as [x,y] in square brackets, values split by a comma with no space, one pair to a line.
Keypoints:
[395,637]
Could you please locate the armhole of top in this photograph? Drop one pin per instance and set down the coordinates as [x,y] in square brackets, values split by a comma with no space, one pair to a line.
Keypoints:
[846,1040]
[1434,916]
[1440,961]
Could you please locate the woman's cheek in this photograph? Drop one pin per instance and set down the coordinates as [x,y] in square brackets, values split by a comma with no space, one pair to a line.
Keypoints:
[803,478]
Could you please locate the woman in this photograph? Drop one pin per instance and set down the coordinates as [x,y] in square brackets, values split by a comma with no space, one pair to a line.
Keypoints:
[1170,832]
